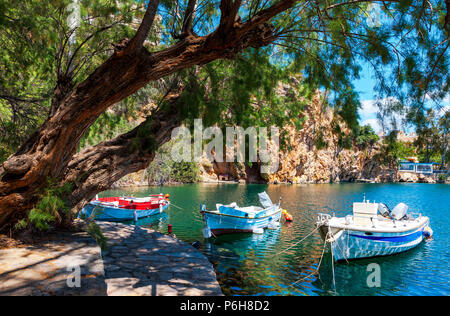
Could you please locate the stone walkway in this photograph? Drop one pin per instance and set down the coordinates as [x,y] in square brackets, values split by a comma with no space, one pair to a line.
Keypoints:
[141,262]
[45,268]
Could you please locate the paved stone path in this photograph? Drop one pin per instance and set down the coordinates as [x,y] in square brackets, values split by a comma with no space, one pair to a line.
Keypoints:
[44,268]
[141,262]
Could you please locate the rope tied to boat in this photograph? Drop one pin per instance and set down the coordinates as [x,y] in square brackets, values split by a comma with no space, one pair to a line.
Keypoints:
[172,204]
[318,267]
[292,246]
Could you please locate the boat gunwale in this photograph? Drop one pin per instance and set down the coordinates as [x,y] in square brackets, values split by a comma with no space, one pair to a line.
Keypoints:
[235,216]
[424,221]
[99,204]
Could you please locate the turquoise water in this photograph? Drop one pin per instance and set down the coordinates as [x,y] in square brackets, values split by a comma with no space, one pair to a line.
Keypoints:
[265,264]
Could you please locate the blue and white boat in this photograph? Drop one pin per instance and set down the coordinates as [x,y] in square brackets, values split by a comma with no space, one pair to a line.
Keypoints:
[231,218]
[373,230]
[125,208]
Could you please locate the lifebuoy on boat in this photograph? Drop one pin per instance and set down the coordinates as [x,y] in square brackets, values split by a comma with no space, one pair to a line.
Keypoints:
[288,217]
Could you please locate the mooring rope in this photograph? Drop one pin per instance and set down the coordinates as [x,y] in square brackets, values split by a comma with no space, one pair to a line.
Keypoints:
[171,203]
[332,236]
[318,266]
[290,247]
[330,233]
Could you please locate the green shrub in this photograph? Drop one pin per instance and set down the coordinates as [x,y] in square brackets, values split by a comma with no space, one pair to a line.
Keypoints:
[40,219]
[95,232]
[22,224]
[50,209]
[320,142]
[185,172]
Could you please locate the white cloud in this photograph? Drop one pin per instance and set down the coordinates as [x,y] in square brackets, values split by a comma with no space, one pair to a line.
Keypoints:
[374,123]
[368,108]
[444,110]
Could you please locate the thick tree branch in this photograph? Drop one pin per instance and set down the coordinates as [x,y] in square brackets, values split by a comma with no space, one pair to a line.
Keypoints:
[49,152]
[189,16]
[229,10]
[95,169]
[144,29]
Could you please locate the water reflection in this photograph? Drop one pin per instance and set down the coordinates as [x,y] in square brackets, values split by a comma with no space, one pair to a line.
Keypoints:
[249,264]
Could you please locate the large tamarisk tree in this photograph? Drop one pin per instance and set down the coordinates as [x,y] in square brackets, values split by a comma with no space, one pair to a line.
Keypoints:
[324,40]
[50,150]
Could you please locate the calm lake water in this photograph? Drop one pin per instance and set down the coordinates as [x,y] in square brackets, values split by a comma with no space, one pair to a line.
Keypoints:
[249,264]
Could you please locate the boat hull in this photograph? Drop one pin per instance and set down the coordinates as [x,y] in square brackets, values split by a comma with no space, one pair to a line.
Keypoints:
[220,224]
[108,213]
[352,244]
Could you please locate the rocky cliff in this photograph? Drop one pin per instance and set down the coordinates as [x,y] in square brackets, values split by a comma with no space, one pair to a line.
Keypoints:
[314,156]
[309,160]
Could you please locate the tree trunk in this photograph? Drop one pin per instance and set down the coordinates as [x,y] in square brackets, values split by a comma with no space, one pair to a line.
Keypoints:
[95,169]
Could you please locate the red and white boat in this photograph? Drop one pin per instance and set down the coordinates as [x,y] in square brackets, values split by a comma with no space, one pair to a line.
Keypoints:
[126,208]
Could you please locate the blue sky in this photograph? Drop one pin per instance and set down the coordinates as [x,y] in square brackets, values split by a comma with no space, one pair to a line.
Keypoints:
[365,87]
[368,112]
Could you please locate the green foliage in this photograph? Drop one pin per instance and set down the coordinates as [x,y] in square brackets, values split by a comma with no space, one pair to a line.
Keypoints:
[164,170]
[21,225]
[345,140]
[320,142]
[394,150]
[248,91]
[41,218]
[95,232]
[433,136]
[185,172]
[366,137]
[107,126]
[51,208]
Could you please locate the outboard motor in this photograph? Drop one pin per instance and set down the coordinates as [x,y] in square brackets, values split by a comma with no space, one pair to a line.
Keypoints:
[400,211]
[384,210]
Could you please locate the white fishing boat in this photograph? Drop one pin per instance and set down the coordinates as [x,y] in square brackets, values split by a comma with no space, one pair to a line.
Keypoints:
[234,219]
[373,230]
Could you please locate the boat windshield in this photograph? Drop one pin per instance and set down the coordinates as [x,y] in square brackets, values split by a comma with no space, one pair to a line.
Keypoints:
[265,200]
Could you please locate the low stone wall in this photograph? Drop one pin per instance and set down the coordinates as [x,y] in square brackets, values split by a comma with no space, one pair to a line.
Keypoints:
[52,267]
[142,262]
[138,262]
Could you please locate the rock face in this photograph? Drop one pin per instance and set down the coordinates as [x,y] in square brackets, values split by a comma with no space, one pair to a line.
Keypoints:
[315,155]
[308,162]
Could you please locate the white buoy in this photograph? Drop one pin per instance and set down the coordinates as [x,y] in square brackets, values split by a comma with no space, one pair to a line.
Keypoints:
[160,208]
[135,216]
